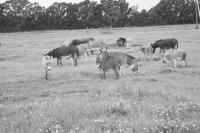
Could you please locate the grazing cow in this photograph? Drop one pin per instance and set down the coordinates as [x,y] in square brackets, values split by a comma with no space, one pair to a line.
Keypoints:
[147,51]
[121,42]
[64,51]
[115,61]
[47,63]
[82,41]
[165,44]
[174,57]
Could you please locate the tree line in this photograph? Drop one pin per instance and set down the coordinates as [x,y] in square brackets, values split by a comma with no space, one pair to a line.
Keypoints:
[22,15]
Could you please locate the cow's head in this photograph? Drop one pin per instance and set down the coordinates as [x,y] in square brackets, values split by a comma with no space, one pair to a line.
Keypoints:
[153,46]
[134,68]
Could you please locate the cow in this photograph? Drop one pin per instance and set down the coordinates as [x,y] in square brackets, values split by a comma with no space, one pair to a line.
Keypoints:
[115,61]
[84,51]
[165,44]
[121,42]
[172,58]
[82,41]
[47,64]
[147,51]
[59,52]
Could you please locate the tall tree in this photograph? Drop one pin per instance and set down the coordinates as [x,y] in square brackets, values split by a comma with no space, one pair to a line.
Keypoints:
[56,14]
[175,11]
[15,11]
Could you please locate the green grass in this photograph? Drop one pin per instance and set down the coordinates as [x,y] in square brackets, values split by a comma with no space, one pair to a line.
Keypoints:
[159,99]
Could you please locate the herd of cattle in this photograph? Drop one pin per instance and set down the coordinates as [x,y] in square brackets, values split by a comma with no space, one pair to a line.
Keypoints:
[117,61]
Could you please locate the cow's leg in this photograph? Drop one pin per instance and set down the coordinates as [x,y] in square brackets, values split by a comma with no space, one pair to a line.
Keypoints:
[123,70]
[173,51]
[50,74]
[72,61]
[100,73]
[184,62]
[120,71]
[174,63]
[147,58]
[75,62]
[85,57]
[61,61]
[163,50]
[46,74]
[160,50]
[103,75]
[116,71]
[74,56]
[57,61]
[150,57]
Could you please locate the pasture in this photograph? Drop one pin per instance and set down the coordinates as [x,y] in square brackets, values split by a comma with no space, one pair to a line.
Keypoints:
[159,99]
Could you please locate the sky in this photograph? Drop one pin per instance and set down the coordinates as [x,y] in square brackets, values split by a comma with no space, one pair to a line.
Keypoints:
[142,4]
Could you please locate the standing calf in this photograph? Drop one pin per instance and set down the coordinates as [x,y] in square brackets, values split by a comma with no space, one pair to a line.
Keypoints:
[47,63]
[174,57]
[147,51]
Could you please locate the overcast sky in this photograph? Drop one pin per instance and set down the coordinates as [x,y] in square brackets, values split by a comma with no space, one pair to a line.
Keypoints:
[142,4]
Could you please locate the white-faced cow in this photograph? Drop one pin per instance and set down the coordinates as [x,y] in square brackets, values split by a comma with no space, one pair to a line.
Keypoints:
[165,44]
[115,61]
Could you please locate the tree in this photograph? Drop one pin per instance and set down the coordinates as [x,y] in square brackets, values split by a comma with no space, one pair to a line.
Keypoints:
[35,17]
[175,11]
[2,21]
[14,12]
[56,14]
[124,11]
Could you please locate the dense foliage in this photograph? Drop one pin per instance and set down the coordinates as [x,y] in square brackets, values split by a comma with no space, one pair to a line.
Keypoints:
[21,15]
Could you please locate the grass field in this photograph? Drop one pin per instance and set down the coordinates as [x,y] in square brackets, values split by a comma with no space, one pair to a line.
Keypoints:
[160,99]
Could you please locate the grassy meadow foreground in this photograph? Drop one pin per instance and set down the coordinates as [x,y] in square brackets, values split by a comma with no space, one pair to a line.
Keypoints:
[159,99]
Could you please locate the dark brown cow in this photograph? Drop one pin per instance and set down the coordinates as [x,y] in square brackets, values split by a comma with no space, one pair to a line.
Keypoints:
[64,51]
[165,44]
[121,42]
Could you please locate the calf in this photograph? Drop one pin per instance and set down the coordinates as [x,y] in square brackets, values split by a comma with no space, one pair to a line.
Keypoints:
[147,51]
[115,61]
[47,63]
[165,44]
[174,57]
